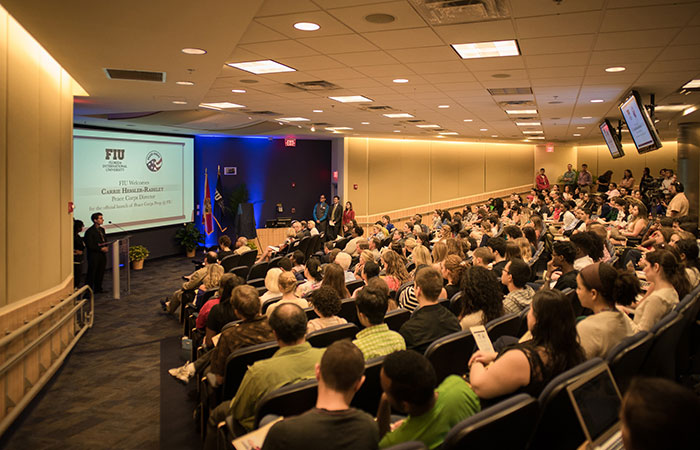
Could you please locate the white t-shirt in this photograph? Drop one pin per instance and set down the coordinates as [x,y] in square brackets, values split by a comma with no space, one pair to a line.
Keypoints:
[654,308]
[601,332]
[582,262]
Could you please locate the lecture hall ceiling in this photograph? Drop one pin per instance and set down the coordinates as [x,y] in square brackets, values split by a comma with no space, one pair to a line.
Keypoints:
[360,48]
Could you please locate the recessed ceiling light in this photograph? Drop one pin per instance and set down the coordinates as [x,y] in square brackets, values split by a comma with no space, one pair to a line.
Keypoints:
[397,131]
[350,99]
[448,133]
[185,83]
[597,100]
[533,132]
[692,84]
[238,91]
[468,120]
[179,102]
[580,128]
[577,134]
[293,119]
[193,51]
[521,111]
[313,128]
[494,135]
[428,126]
[318,110]
[586,117]
[441,137]
[536,137]
[221,105]
[616,69]
[398,116]
[487,49]
[443,106]
[365,123]
[483,129]
[400,80]
[690,110]
[307,26]
[263,66]
[338,128]
[526,140]
[528,124]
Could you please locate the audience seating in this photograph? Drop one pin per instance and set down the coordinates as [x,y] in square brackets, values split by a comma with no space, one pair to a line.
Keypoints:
[238,362]
[290,400]
[310,313]
[522,329]
[275,262]
[268,302]
[394,319]
[456,303]
[304,245]
[410,266]
[230,261]
[248,259]
[557,426]
[506,425]
[241,271]
[353,285]
[627,358]
[311,247]
[293,246]
[256,282]
[367,398]
[326,336]
[341,243]
[507,325]
[687,345]
[450,354]
[348,311]
[661,360]
[258,270]
[410,445]
[261,290]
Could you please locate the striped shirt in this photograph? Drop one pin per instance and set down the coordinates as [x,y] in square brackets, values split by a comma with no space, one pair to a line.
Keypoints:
[379,340]
[518,300]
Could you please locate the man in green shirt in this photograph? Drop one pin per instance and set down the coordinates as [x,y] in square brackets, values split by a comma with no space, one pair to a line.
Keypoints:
[408,380]
[295,361]
[376,339]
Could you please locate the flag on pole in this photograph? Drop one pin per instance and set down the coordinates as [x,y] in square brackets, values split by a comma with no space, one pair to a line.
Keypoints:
[219,194]
[207,217]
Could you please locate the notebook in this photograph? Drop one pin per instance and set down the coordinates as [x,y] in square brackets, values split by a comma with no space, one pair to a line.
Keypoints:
[596,400]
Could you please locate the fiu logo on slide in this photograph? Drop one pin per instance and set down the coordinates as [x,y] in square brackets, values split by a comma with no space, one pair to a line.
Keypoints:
[114,153]
[154,161]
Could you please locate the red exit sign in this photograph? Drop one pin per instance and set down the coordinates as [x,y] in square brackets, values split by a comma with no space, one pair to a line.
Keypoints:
[290,142]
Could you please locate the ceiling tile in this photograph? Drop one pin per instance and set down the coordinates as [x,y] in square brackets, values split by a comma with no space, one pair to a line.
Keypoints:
[675,66]
[275,7]
[354,17]
[239,54]
[485,64]
[617,57]
[556,60]
[488,76]
[680,52]
[635,39]
[562,44]
[346,43]
[687,36]
[558,25]
[423,54]
[359,59]
[623,78]
[259,33]
[564,81]
[285,24]
[280,49]
[647,18]
[385,70]
[527,8]
[308,63]
[497,30]
[336,74]
[410,38]
[451,77]
[570,71]
[437,67]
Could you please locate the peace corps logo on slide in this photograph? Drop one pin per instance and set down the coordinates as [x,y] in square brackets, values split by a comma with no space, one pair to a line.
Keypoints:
[154,161]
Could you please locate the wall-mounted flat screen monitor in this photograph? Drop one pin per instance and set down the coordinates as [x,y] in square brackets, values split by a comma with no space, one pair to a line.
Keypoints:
[640,126]
[611,139]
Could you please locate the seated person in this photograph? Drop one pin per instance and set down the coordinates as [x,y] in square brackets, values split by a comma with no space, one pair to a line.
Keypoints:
[408,381]
[430,321]
[287,284]
[272,284]
[298,269]
[563,257]
[515,276]
[224,247]
[369,271]
[242,246]
[194,280]
[483,257]
[294,361]
[334,277]
[658,413]
[313,276]
[482,300]
[220,314]
[344,260]
[332,424]
[356,235]
[209,282]
[452,270]
[327,305]
[529,366]
[252,329]
[601,288]
[376,339]
[395,270]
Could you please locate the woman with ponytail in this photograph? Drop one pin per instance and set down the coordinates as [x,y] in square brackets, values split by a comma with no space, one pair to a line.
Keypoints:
[452,269]
[670,284]
[600,287]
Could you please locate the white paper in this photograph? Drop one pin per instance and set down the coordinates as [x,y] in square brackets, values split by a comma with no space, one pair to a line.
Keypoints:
[482,338]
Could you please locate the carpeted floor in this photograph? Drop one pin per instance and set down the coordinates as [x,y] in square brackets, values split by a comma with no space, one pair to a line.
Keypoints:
[113,391]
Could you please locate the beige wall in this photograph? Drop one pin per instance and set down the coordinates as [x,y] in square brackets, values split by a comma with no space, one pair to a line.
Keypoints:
[36,107]
[554,163]
[393,174]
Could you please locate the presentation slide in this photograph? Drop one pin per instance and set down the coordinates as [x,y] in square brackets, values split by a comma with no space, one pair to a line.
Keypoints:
[136,181]
[636,124]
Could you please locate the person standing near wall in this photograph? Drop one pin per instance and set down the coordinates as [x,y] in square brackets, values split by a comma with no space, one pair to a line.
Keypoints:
[584,179]
[541,181]
[95,241]
[321,214]
[335,218]
[78,252]
[569,177]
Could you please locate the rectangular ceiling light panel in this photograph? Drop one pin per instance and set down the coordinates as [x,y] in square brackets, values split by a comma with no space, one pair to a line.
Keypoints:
[398,116]
[262,67]
[351,99]
[487,49]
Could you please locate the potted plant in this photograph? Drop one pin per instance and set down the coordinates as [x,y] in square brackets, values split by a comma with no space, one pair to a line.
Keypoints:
[137,254]
[190,238]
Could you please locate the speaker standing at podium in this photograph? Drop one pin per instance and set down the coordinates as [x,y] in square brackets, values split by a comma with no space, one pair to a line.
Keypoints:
[321,214]
[95,241]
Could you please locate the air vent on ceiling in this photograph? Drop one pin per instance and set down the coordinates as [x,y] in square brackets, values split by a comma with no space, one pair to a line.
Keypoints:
[261,113]
[377,108]
[138,75]
[510,91]
[415,120]
[443,12]
[318,85]
[517,103]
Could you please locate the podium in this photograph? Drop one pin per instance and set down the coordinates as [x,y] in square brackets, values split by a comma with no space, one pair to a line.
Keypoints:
[120,252]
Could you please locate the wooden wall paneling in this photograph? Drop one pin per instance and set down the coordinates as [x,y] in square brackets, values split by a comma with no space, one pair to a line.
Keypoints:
[66,174]
[3,161]
[588,155]
[413,166]
[471,168]
[521,165]
[444,171]
[358,174]
[383,176]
